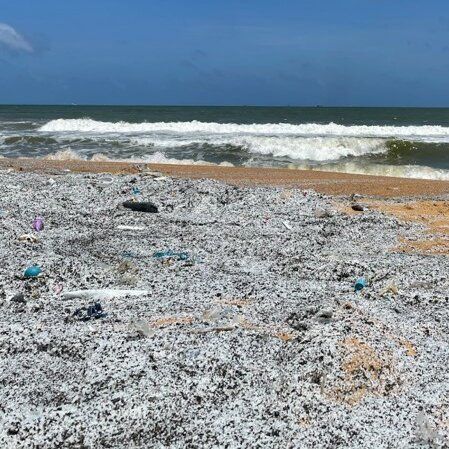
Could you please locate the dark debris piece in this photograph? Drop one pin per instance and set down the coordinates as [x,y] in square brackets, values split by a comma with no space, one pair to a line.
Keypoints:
[87,313]
[146,206]
[18,298]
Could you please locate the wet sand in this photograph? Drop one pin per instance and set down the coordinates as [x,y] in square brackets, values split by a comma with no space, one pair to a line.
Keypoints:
[329,183]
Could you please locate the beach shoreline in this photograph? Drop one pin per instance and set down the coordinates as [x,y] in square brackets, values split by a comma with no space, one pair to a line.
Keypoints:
[329,183]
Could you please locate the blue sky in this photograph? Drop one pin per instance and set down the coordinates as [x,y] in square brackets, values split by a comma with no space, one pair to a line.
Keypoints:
[288,52]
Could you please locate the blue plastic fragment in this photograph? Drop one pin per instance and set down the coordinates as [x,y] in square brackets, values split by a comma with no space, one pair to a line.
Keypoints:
[169,253]
[32,271]
[360,283]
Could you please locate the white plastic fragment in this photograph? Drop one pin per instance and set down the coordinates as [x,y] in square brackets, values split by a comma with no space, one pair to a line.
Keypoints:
[287,225]
[141,327]
[28,238]
[322,213]
[102,294]
[390,288]
[425,432]
[130,228]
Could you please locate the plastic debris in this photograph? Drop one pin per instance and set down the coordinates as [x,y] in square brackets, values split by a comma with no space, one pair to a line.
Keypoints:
[86,313]
[102,294]
[126,266]
[58,288]
[390,288]
[136,191]
[358,207]
[107,180]
[130,228]
[214,329]
[141,327]
[141,206]
[322,213]
[38,224]
[355,196]
[287,225]
[425,432]
[360,283]
[214,315]
[130,254]
[171,254]
[18,298]
[32,271]
[324,316]
[28,238]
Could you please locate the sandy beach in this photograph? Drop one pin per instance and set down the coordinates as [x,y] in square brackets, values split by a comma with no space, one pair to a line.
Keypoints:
[224,226]
[229,317]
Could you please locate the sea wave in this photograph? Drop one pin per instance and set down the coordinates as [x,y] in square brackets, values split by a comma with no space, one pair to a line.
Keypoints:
[397,171]
[86,125]
[155,158]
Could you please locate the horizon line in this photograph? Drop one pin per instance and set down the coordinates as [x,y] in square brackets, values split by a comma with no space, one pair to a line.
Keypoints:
[318,106]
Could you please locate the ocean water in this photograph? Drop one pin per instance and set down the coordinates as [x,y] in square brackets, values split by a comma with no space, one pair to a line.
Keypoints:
[405,142]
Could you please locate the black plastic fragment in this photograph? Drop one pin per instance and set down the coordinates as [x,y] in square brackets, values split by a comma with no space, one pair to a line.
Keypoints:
[141,206]
[92,311]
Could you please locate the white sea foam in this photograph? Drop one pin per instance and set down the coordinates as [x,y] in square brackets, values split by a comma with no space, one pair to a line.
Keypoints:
[398,171]
[90,126]
[311,141]
[311,148]
[155,158]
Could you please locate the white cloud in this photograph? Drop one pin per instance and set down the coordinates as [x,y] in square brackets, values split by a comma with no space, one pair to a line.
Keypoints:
[12,40]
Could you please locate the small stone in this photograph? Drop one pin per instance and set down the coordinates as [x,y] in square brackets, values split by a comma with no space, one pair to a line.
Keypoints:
[18,298]
[324,316]
[322,213]
[358,207]
[28,238]
[325,313]
[141,206]
[355,196]
[295,322]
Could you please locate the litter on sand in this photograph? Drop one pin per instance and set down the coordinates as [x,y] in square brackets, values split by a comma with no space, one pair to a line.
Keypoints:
[86,313]
[102,294]
[32,271]
[171,254]
[390,288]
[141,206]
[28,238]
[141,327]
[360,283]
[130,228]
[38,224]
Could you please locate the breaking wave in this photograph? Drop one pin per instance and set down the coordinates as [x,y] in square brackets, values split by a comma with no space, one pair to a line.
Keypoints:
[155,158]
[87,125]
[404,151]
[308,142]
[397,171]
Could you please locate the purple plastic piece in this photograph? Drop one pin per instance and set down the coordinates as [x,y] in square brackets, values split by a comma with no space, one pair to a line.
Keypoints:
[38,224]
